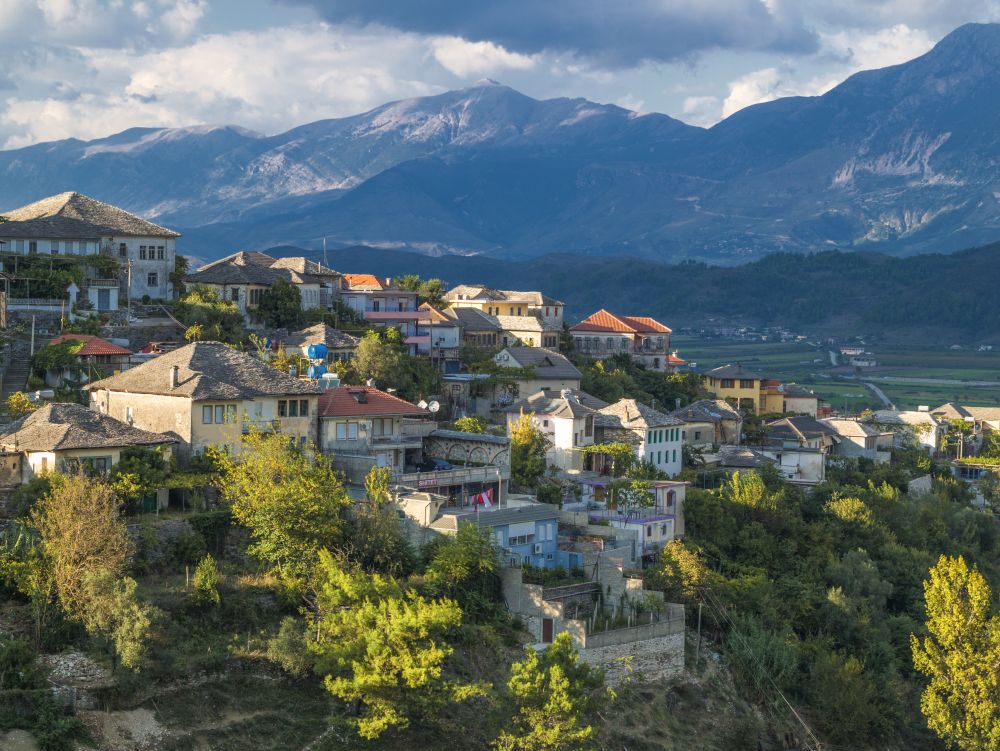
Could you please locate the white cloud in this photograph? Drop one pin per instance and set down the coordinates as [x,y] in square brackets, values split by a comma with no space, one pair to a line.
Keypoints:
[182,16]
[701,110]
[464,58]
[759,86]
[880,48]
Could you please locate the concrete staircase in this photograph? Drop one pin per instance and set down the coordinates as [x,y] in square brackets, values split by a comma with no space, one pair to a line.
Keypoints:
[15,378]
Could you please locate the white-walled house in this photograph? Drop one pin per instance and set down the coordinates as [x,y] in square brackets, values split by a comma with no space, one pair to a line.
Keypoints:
[72,224]
[911,427]
[567,419]
[656,437]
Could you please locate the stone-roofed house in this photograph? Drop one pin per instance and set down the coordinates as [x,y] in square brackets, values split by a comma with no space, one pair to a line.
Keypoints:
[529,330]
[710,422]
[737,385]
[860,440]
[63,437]
[566,417]
[208,394]
[72,224]
[604,334]
[339,344]
[655,436]
[799,446]
[440,337]
[244,276]
[478,328]
[911,427]
[545,370]
[506,302]
[800,400]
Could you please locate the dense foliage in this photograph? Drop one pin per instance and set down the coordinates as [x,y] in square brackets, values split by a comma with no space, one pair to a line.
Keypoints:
[215,319]
[822,590]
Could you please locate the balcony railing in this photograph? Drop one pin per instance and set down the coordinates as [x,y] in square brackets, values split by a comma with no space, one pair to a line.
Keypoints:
[109,283]
[450,477]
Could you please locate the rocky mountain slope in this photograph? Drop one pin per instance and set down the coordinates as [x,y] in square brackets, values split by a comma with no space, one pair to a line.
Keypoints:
[899,160]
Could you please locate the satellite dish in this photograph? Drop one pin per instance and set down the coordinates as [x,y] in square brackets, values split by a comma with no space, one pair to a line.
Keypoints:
[433,407]
[422,404]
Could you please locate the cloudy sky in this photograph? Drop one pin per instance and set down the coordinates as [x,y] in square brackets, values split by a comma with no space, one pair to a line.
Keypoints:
[89,68]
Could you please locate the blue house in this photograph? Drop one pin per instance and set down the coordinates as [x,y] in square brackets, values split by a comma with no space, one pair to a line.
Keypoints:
[522,534]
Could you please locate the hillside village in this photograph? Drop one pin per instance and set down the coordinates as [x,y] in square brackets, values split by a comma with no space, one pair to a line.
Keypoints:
[594,462]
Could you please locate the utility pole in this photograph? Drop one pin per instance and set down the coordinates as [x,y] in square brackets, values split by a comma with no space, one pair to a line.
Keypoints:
[32,334]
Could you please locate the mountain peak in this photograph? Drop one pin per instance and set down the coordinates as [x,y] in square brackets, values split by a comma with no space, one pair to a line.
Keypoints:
[483,82]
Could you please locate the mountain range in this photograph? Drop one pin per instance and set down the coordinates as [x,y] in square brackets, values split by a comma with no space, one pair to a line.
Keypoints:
[900,160]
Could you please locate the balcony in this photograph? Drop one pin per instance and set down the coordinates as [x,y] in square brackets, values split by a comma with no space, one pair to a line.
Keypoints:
[101,283]
[260,425]
[451,477]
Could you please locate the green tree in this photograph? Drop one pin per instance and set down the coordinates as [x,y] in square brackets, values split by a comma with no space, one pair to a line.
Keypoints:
[292,502]
[466,568]
[377,486]
[24,568]
[556,695]
[280,305]
[960,655]
[115,614]
[82,534]
[18,405]
[528,446]
[218,319]
[471,424]
[430,291]
[139,472]
[177,275]
[206,583]
[383,650]
[381,356]
[991,444]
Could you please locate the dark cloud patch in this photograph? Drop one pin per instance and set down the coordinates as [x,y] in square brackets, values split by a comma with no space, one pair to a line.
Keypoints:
[613,33]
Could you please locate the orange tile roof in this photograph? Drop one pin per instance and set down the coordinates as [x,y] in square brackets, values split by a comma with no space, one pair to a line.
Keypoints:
[675,360]
[344,401]
[92,345]
[364,280]
[603,320]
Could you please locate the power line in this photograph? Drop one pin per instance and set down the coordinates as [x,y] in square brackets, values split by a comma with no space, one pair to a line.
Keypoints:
[720,609]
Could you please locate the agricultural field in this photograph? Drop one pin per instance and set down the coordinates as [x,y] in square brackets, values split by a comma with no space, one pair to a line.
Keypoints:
[963,376]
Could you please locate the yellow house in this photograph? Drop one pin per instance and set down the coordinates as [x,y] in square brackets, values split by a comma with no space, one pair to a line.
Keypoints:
[736,385]
[208,394]
[63,437]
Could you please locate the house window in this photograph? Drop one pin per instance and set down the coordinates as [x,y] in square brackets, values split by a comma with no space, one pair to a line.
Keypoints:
[293,408]
[588,426]
[220,413]
[303,408]
[142,252]
[675,455]
[129,415]
[32,247]
[282,408]
[55,247]
[697,435]
[746,383]
[728,383]
[347,431]
[159,253]
[649,530]
[206,414]
[152,279]
[624,343]
[122,250]
[611,342]
[255,297]
[234,294]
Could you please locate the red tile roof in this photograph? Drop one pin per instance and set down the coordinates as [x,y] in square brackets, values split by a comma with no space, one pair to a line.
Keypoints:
[364,280]
[92,345]
[603,320]
[675,360]
[352,401]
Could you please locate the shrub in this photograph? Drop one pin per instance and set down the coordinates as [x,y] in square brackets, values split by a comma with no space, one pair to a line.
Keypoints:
[206,583]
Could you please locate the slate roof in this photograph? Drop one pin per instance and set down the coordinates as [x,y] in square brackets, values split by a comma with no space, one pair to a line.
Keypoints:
[74,215]
[473,319]
[497,517]
[801,427]
[850,428]
[482,292]
[707,410]
[604,320]
[742,457]
[458,435]
[546,362]
[208,370]
[60,427]
[92,345]
[321,333]
[910,417]
[634,415]
[795,391]
[951,411]
[364,401]
[553,403]
[732,371]
[527,323]
[251,267]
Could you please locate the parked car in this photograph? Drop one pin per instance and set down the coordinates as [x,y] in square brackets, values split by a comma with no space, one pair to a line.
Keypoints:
[433,465]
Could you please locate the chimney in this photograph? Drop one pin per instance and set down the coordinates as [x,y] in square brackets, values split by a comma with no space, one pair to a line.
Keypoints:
[565,393]
[175,376]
